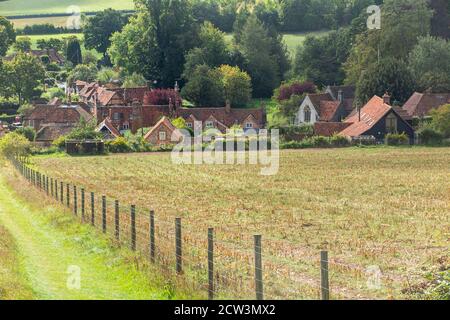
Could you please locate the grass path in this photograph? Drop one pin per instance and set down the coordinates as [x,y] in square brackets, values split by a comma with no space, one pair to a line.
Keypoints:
[50,242]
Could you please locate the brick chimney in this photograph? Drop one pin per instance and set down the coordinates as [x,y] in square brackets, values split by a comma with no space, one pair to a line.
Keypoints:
[228,106]
[340,96]
[387,98]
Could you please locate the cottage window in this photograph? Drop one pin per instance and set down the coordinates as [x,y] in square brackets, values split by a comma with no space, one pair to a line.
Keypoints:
[391,123]
[162,135]
[116,116]
[125,126]
[307,114]
[209,124]
[248,125]
[189,124]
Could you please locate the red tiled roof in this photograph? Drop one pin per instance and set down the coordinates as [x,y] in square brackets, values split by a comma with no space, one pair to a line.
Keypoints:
[108,125]
[52,54]
[348,92]
[316,98]
[104,96]
[51,132]
[328,129]
[235,116]
[58,114]
[371,113]
[328,109]
[420,104]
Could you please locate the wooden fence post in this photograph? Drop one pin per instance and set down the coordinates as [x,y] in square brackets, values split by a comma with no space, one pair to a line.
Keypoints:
[56,190]
[211,263]
[258,269]
[92,209]
[83,204]
[67,196]
[46,184]
[61,195]
[104,214]
[51,187]
[178,246]
[152,236]
[75,201]
[117,220]
[133,227]
[324,283]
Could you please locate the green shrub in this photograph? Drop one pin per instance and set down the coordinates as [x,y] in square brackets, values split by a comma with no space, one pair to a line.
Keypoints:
[397,139]
[339,141]
[320,142]
[118,145]
[430,136]
[296,133]
[60,142]
[14,144]
[27,132]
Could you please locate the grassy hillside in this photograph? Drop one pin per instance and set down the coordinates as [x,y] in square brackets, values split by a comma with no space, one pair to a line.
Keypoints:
[29,7]
[371,208]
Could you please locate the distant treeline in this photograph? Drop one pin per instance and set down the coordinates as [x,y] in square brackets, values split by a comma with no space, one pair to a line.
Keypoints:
[285,16]
[49,15]
[47,28]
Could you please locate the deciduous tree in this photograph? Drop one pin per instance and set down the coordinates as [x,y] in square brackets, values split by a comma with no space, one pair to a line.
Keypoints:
[7,35]
[99,28]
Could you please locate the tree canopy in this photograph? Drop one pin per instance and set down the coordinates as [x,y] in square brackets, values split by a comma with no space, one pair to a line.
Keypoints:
[7,35]
[98,29]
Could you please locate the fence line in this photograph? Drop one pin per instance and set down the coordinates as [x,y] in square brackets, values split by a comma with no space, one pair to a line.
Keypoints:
[222,268]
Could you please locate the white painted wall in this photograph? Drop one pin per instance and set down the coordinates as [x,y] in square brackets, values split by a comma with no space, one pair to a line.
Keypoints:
[300,117]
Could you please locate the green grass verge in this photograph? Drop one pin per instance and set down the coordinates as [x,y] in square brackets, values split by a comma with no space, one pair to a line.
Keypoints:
[50,241]
[13,282]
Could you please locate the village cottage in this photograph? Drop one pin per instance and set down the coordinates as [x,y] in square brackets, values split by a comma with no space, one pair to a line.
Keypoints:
[335,104]
[50,121]
[163,133]
[377,119]
[419,105]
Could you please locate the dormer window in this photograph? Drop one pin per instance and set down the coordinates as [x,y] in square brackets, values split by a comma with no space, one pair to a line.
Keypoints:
[209,124]
[189,124]
[249,125]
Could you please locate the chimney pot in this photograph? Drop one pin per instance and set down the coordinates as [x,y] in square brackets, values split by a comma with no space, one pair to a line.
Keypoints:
[387,98]
[228,106]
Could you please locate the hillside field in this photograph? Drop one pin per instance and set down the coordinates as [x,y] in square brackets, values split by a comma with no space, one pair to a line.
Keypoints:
[385,209]
[32,7]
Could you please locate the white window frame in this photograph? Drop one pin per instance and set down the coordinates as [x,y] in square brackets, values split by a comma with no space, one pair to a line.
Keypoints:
[189,124]
[209,124]
[307,111]
[249,125]
[125,126]
[162,135]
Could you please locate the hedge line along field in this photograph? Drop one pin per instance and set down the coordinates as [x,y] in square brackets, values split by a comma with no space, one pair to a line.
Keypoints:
[31,7]
[383,213]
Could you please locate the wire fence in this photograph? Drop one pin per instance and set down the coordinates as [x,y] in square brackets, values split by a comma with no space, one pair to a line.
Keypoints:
[221,262]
